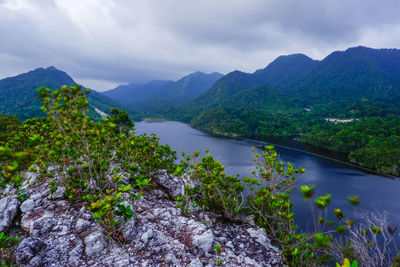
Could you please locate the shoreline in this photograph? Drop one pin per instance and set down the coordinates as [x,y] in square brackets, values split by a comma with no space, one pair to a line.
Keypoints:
[368,170]
[356,166]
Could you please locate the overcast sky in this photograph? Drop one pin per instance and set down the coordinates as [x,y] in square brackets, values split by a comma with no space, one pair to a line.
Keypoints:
[103,43]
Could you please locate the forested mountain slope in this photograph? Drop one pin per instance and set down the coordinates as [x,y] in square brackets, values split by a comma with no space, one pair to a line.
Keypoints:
[18,94]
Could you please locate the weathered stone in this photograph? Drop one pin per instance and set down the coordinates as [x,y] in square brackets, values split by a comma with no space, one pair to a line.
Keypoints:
[27,205]
[204,241]
[229,244]
[169,259]
[95,243]
[173,185]
[8,210]
[195,263]
[59,193]
[251,262]
[129,230]
[259,235]
[61,233]
[81,225]
[146,236]
[28,249]
[36,261]
[31,216]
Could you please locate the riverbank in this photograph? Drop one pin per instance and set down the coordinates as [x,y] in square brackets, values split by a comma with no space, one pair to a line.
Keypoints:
[315,150]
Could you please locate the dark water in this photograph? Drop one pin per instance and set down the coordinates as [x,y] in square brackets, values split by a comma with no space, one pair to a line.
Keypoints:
[377,193]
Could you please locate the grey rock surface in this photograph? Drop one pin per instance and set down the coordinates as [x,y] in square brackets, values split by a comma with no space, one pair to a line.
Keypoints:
[8,209]
[27,205]
[56,232]
[204,241]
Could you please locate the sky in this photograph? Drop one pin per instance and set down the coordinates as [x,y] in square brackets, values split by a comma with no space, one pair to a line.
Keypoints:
[102,44]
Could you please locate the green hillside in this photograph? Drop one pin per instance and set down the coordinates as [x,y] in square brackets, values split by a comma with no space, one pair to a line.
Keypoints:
[18,94]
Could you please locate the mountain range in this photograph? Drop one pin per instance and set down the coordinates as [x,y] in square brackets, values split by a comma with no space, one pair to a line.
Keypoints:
[292,96]
[175,92]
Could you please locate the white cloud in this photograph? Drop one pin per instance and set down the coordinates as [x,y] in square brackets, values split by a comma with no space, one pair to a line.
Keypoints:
[108,42]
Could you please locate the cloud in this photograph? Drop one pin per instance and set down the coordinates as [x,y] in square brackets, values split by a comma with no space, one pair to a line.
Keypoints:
[105,43]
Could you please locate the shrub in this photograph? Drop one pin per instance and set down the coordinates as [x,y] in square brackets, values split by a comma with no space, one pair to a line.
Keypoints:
[94,160]
[218,191]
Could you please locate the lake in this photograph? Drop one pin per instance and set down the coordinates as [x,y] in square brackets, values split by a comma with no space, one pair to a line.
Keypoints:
[377,193]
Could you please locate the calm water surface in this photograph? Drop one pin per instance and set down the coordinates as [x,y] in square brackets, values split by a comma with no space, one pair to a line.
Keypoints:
[377,193]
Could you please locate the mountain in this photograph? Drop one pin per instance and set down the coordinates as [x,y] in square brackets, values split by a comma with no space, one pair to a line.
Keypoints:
[136,92]
[18,94]
[350,75]
[341,77]
[279,73]
[175,92]
[284,69]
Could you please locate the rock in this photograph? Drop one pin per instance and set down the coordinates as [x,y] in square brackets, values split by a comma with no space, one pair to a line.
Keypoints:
[169,259]
[8,209]
[259,235]
[81,225]
[58,194]
[146,236]
[173,185]
[31,216]
[30,180]
[28,249]
[229,244]
[42,225]
[250,262]
[195,263]
[27,205]
[36,261]
[62,233]
[95,243]
[250,220]
[204,241]
[129,230]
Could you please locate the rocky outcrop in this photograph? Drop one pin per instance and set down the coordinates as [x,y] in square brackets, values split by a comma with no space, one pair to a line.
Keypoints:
[8,209]
[55,232]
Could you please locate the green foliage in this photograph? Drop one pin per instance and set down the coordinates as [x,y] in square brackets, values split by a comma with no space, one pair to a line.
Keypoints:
[346,263]
[273,209]
[218,250]
[371,142]
[6,242]
[11,164]
[94,159]
[219,191]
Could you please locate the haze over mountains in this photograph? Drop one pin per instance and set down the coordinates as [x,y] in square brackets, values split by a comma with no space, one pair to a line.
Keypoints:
[176,92]
[294,81]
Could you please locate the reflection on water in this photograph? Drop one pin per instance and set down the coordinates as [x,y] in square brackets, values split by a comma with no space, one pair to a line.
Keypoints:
[377,193]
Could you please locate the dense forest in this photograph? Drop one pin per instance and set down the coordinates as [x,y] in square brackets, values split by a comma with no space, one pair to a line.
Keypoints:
[296,96]
[293,96]
[19,93]
[68,149]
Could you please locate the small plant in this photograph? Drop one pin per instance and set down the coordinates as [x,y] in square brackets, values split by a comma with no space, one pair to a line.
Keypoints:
[6,242]
[11,165]
[218,250]
[346,263]
[187,201]
[106,209]
[220,192]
